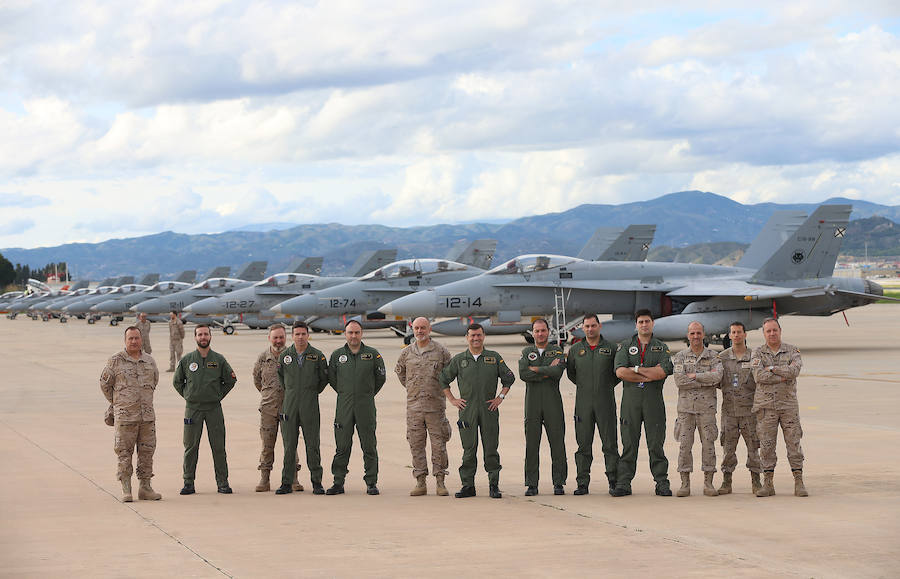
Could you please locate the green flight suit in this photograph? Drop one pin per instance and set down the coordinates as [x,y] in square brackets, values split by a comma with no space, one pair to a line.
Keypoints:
[356,378]
[203,383]
[643,403]
[543,408]
[477,382]
[303,378]
[594,374]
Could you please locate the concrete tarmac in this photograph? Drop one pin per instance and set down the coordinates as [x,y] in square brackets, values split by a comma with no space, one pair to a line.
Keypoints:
[61,515]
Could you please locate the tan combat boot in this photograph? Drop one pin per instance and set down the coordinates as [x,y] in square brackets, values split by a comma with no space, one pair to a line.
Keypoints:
[685,490]
[799,487]
[708,488]
[146,492]
[295,485]
[126,490]
[755,485]
[768,488]
[725,489]
[441,489]
[420,488]
[263,485]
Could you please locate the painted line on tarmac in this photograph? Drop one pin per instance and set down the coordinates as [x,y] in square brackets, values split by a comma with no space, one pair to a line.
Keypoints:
[146,519]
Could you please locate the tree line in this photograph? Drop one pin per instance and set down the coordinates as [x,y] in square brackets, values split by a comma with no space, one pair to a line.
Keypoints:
[16,275]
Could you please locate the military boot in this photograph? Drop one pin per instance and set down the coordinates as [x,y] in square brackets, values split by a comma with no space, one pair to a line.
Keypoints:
[263,485]
[441,489]
[420,488]
[708,488]
[685,490]
[725,489]
[126,490]
[799,487]
[755,485]
[768,488]
[146,492]
[295,485]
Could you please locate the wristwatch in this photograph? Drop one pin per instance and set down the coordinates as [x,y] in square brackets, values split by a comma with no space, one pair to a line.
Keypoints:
[501,396]
[636,369]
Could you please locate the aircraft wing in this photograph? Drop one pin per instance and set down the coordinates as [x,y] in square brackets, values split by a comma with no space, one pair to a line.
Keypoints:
[735,288]
[629,285]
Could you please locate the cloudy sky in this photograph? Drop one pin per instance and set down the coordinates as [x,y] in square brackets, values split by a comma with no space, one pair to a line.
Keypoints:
[120,119]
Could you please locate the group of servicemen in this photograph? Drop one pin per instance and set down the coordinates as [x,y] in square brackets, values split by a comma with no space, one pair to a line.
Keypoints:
[759,394]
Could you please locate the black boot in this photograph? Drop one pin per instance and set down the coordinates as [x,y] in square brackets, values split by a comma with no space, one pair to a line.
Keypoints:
[465,492]
[284,489]
[495,492]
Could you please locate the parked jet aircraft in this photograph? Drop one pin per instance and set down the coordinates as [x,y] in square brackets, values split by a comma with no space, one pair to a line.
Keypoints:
[364,295]
[795,280]
[607,243]
[207,288]
[122,299]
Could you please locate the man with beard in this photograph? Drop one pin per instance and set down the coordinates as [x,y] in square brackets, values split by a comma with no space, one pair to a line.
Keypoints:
[203,378]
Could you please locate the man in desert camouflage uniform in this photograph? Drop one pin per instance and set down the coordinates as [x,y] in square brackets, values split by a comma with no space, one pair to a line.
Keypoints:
[265,378]
[738,389]
[176,340]
[128,381]
[418,368]
[697,372]
[775,366]
[143,326]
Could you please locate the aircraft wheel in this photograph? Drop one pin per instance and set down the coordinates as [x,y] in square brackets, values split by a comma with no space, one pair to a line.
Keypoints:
[229,329]
[45,318]
[113,322]
[91,320]
[408,340]
[63,320]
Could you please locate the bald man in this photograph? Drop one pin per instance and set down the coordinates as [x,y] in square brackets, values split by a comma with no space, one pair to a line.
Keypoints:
[419,368]
[697,372]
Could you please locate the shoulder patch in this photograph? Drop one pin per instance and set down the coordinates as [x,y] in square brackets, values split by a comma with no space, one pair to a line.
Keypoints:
[618,347]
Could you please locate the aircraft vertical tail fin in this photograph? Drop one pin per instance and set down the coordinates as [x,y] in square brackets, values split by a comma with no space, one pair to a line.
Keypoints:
[187,276]
[122,280]
[107,281]
[812,250]
[772,236]
[221,271]
[253,271]
[632,245]
[80,284]
[602,239]
[372,260]
[479,253]
[307,265]
[149,279]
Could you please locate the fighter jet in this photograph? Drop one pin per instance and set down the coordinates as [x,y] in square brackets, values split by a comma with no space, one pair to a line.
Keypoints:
[251,304]
[607,244]
[796,279]
[213,286]
[122,299]
[364,295]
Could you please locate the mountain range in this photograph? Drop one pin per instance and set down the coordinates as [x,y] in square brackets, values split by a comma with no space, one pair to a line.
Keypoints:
[714,227]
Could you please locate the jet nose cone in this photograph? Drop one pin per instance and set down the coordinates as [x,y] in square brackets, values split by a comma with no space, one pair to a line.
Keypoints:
[299,306]
[147,307]
[204,307]
[418,304]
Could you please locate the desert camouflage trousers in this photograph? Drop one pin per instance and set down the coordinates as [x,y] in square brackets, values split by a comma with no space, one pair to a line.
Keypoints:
[268,433]
[767,421]
[421,425]
[733,428]
[129,434]
[176,349]
[685,426]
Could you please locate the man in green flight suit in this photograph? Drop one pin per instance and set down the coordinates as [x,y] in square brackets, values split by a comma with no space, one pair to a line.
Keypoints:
[203,378]
[303,373]
[541,367]
[590,365]
[642,363]
[476,372]
[356,372]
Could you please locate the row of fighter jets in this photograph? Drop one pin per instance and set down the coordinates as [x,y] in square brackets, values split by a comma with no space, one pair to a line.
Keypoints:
[788,269]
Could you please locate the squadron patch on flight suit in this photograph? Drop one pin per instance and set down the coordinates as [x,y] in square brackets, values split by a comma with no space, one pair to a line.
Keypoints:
[633,350]
[533,356]
[288,359]
[193,367]
[342,358]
